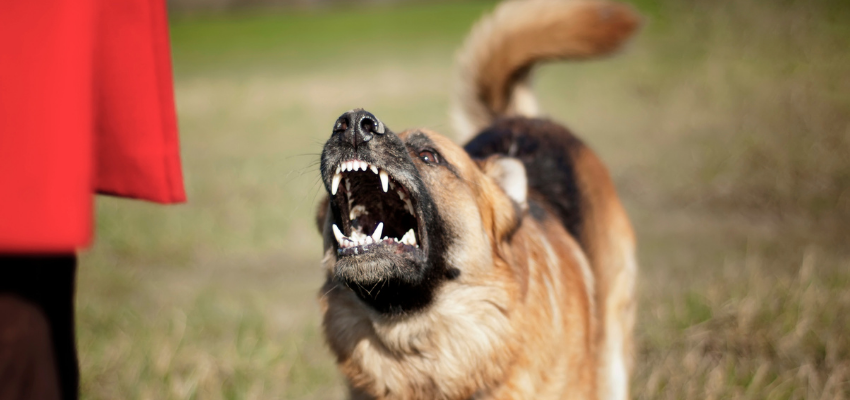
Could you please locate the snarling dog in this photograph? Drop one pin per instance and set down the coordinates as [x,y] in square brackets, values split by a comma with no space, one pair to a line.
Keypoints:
[501,270]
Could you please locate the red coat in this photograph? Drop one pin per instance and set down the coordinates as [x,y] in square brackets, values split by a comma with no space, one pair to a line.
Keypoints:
[86,105]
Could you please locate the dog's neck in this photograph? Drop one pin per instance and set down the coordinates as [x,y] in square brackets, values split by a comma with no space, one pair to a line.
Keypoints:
[466,339]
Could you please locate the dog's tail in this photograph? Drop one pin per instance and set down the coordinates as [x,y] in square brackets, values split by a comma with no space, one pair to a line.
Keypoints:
[493,66]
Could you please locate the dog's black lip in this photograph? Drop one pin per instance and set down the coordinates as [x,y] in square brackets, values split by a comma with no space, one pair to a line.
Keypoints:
[421,230]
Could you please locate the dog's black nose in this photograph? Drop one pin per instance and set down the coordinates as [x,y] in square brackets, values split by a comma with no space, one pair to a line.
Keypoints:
[358,126]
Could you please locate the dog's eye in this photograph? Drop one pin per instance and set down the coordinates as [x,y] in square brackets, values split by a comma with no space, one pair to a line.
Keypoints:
[428,157]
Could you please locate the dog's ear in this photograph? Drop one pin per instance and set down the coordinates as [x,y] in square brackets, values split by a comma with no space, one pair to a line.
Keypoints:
[509,203]
[509,174]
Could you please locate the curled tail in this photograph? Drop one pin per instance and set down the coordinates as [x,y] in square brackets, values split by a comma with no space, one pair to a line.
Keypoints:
[493,66]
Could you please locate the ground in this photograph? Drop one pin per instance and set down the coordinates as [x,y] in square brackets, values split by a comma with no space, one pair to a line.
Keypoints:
[725,126]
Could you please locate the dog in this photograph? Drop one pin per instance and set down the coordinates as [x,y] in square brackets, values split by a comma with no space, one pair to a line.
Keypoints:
[504,269]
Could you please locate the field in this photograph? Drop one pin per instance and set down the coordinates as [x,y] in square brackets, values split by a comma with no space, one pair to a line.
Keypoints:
[726,126]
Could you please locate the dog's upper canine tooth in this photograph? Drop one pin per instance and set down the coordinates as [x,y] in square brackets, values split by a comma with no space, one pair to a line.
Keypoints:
[339,236]
[335,182]
[376,236]
[385,180]
[374,169]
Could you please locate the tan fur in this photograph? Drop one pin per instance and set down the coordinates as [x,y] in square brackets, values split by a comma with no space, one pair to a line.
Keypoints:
[609,243]
[517,324]
[494,65]
[533,314]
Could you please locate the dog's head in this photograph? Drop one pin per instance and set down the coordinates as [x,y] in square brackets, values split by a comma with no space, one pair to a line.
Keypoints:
[407,212]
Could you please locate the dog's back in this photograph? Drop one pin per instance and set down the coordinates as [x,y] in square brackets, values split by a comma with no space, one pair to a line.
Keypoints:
[565,178]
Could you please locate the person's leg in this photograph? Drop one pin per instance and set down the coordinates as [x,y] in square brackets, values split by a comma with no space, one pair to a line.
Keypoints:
[42,284]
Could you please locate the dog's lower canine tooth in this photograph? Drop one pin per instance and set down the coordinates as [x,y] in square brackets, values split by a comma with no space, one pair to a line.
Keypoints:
[385,180]
[409,238]
[377,234]
[337,234]
[335,182]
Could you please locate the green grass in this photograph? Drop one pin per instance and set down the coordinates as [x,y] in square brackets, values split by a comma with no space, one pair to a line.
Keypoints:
[725,126]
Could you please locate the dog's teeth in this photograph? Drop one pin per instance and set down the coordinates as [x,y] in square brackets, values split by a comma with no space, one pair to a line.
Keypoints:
[408,206]
[348,186]
[347,166]
[409,238]
[368,240]
[337,169]
[377,234]
[364,165]
[385,180]
[374,169]
[401,194]
[335,183]
[338,234]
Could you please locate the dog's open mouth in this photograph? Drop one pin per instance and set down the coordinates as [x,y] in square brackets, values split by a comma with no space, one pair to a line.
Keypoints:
[376,212]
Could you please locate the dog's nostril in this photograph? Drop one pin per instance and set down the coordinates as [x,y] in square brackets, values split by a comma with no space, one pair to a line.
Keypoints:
[367,125]
[341,125]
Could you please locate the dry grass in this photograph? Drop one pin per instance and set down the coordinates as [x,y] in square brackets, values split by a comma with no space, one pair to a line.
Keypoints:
[750,334]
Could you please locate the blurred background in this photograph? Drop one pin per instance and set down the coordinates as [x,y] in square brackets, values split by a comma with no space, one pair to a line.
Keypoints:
[726,126]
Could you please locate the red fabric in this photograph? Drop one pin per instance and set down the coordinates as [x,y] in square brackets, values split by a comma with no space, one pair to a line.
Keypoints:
[86,105]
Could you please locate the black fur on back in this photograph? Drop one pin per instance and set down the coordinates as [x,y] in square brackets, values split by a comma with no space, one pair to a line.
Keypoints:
[547,151]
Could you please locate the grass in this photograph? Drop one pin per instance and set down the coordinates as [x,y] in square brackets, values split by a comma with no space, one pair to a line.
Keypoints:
[725,126]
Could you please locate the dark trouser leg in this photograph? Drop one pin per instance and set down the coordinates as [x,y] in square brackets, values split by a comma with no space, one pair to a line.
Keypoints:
[37,294]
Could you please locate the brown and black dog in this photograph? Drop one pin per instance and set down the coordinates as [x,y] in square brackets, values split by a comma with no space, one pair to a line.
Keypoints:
[504,269]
